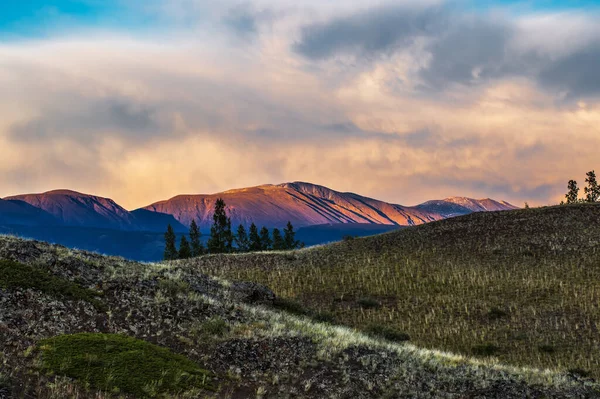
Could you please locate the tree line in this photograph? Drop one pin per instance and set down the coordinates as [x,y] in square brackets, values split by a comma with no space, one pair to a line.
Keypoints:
[591,191]
[223,240]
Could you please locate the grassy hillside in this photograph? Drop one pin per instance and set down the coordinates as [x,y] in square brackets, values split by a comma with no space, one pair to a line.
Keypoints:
[522,286]
[79,325]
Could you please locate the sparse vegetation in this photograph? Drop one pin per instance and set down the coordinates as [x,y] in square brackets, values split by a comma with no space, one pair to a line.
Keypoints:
[515,279]
[116,363]
[17,275]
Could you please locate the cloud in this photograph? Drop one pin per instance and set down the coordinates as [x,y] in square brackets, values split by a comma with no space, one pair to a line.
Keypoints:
[464,48]
[86,118]
[575,75]
[245,20]
[369,32]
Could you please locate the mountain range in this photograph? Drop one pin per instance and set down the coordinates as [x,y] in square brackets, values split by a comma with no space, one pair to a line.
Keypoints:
[65,213]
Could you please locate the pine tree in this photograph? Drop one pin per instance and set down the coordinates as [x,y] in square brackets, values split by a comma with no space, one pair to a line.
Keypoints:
[592,191]
[265,239]
[289,237]
[229,237]
[255,244]
[195,235]
[221,237]
[573,194]
[185,251]
[241,239]
[170,248]
[278,243]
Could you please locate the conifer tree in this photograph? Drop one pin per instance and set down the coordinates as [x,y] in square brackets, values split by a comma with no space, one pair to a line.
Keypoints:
[196,245]
[241,239]
[289,237]
[592,191]
[229,237]
[185,251]
[255,244]
[265,239]
[221,237]
[170,248]
[573,194]
[278,243]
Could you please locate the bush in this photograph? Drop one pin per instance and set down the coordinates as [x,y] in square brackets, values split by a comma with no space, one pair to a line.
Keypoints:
[385,332]
[15,275]
[369,303]
[121,364]
[485,350]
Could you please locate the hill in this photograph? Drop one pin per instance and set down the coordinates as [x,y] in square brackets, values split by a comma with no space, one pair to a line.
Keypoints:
[20,212]
[306,204]
[71,208]
[79,325]
[522,286]
[67,208]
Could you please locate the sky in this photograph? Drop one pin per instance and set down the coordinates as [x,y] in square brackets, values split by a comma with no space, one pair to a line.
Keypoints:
[403,101]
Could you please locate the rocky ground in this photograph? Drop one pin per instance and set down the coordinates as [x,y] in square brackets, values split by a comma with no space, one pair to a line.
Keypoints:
[231,329]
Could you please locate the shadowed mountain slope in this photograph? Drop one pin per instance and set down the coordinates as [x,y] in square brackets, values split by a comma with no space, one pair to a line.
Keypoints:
[71,208]
[22,213]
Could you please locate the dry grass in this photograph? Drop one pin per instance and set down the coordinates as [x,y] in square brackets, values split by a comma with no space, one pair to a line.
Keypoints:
[526,283]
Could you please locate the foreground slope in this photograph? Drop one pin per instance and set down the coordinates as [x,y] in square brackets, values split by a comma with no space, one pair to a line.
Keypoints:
[522,286]
[79,325]
[306,204]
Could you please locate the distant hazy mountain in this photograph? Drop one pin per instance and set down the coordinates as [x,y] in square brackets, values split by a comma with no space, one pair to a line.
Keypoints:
[22,213]
[71,208]
[145,220]
[306,204]
[326,233]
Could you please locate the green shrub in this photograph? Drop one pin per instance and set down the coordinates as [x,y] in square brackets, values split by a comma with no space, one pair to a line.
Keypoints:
[485,350]
[119,363]
[369,303]
[17,275]
[385,332]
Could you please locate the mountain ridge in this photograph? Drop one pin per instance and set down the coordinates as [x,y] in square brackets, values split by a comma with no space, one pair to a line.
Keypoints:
[271,205]
[307,204]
